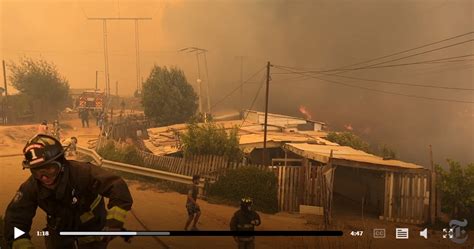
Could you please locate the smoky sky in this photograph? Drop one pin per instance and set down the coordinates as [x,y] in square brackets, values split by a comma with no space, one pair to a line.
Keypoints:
[316,35]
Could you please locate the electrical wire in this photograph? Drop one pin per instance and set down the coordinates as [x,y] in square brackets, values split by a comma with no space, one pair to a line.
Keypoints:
[405,84]
[237,88]
[397,53]
[409,56]
[408,50]
[437,61]
[393,82]
[383,91]
[253,101]
[374,65]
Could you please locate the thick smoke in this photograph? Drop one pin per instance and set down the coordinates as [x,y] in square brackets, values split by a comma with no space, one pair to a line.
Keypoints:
[303,34]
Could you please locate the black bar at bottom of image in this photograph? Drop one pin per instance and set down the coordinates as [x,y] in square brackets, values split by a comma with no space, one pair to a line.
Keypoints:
[257,233]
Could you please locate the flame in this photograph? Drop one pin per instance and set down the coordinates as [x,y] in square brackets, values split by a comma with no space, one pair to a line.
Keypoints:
[348,127]
[305,112]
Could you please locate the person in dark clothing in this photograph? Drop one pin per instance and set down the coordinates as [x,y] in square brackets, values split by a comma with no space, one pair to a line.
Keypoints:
[71,194]
[97,117]
[191,204]
[84,115]
[245,219]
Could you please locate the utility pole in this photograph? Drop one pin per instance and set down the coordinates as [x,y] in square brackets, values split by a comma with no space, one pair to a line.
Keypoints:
[241,82]
[137,56]
[97,80]
[264,154]
[207,84]
[106,56]
[96,74]
[199,81]
[199,51]
[432,189]
[116,88]
[5,111]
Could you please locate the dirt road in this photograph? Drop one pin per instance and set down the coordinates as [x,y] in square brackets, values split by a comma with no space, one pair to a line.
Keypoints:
[161,210]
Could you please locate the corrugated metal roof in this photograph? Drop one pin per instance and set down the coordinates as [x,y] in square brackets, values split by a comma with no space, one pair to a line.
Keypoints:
[251,134]
[160,150]
[163,139]
[277,116]
[279,137]
[321,153]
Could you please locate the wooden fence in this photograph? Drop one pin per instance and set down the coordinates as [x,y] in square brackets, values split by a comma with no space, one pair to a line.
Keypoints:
[304,185]
[288,182]
[406,197]
[208,166]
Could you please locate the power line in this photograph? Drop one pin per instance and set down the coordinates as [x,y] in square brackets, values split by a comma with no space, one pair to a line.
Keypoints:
[237,88]
[405,84]
[441,60]
[436,70]
[381,91]
[392,65]
[254,100]
[392,82]
[425,52]
[408,50]
[401,52]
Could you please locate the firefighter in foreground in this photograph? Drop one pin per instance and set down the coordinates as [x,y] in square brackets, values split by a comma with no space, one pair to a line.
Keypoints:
[71,194]
[245,219]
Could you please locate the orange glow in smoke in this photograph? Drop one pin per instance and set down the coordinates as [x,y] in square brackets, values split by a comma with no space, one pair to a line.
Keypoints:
[305,112]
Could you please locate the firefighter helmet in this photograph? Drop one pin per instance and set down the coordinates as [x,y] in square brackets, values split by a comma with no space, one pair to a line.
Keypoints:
[246,203]
[41,150]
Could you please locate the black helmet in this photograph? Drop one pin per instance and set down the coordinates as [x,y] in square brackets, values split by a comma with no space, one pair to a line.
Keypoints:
[41,150]
[246,203]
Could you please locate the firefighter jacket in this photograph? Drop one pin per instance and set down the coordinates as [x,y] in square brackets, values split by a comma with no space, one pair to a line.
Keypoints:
[244,221]
[76,203]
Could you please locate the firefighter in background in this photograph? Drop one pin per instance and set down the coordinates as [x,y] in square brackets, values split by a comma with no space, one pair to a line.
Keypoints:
[245,219]
[71,194]
[56,132]
[84,115]
[43,127]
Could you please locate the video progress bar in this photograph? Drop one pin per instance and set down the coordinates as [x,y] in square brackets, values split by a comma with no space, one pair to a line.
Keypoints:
[204,233]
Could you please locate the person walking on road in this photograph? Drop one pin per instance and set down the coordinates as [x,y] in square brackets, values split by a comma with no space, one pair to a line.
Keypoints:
[192,207]
[84,115]
[56,132]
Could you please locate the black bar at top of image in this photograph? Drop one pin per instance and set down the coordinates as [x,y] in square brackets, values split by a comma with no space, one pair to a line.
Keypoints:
[257,233]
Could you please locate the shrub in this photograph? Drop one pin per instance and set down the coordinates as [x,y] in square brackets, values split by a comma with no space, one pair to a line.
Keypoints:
[457,187]
[348,139]
[128,154]
[211,139]
[167,97]
[248,181]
